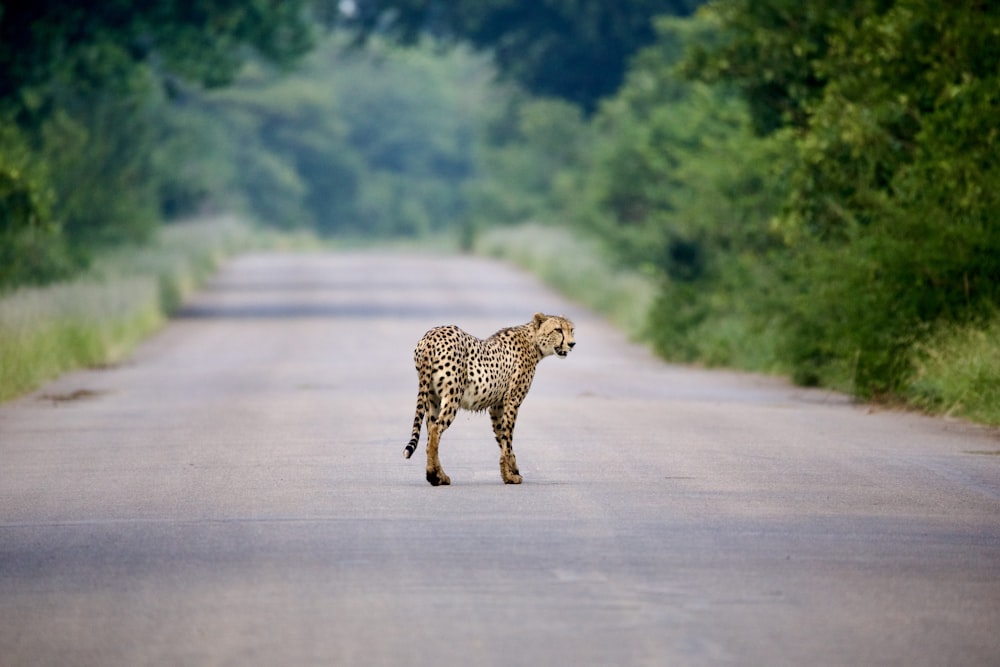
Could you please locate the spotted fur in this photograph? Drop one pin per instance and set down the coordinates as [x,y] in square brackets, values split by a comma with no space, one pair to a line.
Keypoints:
[457,370]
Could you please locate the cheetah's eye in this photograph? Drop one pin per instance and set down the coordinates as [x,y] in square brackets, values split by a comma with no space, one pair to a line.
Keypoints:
[558,329]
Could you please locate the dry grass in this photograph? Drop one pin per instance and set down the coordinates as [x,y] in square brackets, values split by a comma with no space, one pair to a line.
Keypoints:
[100,316]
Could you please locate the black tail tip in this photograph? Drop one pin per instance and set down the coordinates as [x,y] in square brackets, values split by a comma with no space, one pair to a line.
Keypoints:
[408,452]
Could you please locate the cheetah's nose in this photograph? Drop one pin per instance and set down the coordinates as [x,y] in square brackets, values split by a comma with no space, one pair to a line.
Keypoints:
[571,345]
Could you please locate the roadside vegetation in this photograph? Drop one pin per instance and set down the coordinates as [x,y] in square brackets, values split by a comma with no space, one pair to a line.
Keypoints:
[578,268]
[956,373]
[805,188]
[813,189]
[98,317]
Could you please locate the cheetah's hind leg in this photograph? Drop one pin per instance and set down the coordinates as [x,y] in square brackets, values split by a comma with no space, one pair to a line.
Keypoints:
[438,421]
[435,474]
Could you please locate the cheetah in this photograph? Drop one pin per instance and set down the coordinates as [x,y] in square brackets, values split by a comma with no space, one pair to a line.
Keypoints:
[457,370]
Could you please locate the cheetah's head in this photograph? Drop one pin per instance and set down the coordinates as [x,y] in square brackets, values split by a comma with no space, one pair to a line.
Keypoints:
[553,335]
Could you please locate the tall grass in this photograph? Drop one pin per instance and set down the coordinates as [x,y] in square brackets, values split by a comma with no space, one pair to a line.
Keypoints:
[99,317]
[577,267]
[958,373]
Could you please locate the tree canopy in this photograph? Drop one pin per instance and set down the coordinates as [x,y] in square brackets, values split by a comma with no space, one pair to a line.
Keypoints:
[94,43]
[816,184]
[577,50]
[82,92]
[895,167]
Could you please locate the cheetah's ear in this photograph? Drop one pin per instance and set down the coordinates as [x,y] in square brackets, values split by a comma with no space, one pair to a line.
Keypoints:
[539,319]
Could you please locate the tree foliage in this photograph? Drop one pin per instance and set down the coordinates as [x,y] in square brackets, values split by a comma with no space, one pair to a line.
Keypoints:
[576,50]
[83,89]
[892,209]
[377,143]
[528,161]
[679,185]
[816,183]
[198,40]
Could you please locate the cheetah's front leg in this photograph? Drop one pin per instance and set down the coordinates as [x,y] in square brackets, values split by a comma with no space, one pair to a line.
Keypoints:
[503,428]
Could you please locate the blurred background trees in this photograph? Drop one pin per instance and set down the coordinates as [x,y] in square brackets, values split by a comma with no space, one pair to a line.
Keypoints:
[84,91]
[575,50]
[813,185]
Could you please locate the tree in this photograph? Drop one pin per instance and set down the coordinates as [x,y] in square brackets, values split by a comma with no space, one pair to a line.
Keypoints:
[774,51]
[373,143]
[894,173]
[199,40]
[81,87]
[576,50]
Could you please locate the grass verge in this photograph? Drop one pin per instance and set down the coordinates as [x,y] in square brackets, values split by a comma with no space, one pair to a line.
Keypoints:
[577,267]
[958,373]
[100,316]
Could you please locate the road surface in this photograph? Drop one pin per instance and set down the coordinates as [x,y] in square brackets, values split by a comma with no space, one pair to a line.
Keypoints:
[236,494]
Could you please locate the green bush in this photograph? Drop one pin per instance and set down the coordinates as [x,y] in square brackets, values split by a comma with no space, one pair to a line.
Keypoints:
[31,247]
[891,173]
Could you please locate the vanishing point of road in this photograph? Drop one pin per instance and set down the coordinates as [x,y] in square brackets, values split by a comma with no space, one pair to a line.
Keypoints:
[236,494]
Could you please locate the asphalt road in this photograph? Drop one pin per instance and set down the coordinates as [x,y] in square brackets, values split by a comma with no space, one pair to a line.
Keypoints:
[236,494]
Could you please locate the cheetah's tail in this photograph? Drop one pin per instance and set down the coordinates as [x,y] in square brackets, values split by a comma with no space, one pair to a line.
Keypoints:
[418,419]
